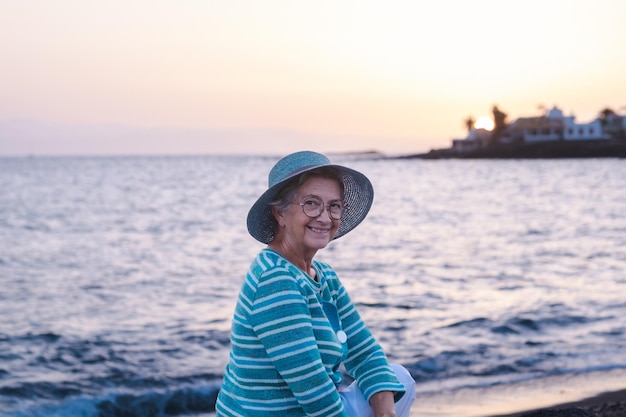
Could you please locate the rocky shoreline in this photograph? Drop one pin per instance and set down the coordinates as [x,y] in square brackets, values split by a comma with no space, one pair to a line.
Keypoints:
[556,149]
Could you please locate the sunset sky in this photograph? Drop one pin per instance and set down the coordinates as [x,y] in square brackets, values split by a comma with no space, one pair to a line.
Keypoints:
[277,75]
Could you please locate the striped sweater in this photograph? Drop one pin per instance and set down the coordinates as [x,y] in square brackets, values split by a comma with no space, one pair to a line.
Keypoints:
[285,353]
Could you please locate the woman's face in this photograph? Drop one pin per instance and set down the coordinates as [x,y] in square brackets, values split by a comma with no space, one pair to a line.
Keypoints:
[302,232]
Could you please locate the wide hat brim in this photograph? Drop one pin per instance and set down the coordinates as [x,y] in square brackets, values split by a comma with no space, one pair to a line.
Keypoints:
[358,194]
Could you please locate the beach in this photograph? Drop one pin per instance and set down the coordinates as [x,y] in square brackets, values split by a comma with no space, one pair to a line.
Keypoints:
[608,404]
[602,392]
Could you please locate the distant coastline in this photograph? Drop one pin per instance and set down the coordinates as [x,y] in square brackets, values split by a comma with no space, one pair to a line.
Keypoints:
[550,135]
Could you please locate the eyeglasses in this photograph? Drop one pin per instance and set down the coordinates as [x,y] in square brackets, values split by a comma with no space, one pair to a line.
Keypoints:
[313,207]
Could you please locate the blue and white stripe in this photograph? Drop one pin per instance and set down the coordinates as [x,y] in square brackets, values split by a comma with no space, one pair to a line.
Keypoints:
[285,354]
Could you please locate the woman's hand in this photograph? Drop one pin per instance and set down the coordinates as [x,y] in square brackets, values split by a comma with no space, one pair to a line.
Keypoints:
[383,405]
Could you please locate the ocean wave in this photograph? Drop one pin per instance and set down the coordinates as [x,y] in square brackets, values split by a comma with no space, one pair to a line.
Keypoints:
[182,401]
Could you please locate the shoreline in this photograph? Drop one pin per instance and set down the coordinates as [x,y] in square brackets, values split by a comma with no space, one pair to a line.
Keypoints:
[595,391]
[608,404]
[542,150]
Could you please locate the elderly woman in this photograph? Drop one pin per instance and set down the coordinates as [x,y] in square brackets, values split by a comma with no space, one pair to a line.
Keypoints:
[294,323]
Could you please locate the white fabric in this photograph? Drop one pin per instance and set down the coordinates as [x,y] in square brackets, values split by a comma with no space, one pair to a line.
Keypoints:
[356,405]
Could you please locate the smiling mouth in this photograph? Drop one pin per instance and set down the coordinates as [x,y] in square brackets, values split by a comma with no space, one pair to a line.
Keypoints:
[316,230]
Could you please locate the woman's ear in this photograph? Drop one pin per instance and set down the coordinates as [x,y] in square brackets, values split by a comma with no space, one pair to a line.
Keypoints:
[279,216]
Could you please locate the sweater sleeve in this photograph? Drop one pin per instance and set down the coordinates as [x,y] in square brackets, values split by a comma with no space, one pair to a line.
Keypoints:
[281,319]
[366,360]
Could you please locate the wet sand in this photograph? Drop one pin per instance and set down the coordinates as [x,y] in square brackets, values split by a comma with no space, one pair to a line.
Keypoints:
[602,392]
[610,404]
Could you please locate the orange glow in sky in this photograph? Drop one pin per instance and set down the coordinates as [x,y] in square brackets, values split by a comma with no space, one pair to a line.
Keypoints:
[395,76]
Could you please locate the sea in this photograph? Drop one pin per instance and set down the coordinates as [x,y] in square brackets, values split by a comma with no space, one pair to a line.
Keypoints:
[119,275]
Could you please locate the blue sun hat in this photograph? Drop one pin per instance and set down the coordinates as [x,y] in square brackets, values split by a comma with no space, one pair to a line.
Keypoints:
[358,191]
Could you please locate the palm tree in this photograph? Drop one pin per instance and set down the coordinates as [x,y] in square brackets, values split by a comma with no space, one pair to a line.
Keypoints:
[469,123]
[606,115]
[499,121]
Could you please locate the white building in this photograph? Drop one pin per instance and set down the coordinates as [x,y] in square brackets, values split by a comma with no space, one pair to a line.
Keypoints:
[554,126]
[476,139]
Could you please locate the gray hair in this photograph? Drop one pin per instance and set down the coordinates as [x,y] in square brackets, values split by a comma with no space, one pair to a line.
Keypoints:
[285,196]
